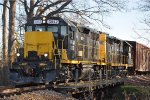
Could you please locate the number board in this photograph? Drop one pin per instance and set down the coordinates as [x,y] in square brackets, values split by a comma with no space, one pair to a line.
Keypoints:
[37,21]
[50,21]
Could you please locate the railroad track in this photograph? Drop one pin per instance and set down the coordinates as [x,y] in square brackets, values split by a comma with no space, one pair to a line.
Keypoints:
[70,89]
[17,90]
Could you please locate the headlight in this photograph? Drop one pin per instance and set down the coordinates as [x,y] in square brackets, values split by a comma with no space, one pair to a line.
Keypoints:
[45,55]
[44,21]
[18,54]
[23,64]
[44,18]
[42,64]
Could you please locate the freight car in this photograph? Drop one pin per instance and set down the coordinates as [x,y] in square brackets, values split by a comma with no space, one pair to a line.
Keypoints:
[57,49]
[141,58]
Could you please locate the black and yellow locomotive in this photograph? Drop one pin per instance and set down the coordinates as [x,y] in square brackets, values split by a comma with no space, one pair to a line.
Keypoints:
[57,49]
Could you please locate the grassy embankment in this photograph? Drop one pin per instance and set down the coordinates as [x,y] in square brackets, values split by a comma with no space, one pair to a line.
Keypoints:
[131,92]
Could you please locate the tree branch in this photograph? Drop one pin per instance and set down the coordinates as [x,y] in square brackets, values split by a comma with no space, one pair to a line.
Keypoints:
[36,4]
[25,6]
[51,5]
[4,5]
[59,9]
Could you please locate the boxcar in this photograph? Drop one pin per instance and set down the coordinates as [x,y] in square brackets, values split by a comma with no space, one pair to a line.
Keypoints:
[141,57]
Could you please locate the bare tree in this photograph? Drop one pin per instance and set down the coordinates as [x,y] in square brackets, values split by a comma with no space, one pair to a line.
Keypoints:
[29,10]
[91,9]
[4,68]
[4,21]
[11,36]
[144,7]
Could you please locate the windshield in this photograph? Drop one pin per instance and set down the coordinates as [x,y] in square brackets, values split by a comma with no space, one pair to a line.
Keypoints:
[55,29]
[40,28]
[52,28]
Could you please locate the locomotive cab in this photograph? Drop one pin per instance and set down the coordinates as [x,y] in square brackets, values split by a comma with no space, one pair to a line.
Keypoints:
[41,38]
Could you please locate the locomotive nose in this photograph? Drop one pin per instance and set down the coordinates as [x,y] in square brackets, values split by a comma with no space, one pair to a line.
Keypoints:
[39,45]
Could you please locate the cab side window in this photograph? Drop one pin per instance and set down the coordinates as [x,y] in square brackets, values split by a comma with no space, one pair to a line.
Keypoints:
[63,30]
[29,28]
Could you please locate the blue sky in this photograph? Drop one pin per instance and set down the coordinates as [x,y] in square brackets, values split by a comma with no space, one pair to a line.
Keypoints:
[124,24]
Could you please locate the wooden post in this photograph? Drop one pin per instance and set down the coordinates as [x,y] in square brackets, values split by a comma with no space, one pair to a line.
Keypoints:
[106,76]
[90,87]
[100,75]
[76,79]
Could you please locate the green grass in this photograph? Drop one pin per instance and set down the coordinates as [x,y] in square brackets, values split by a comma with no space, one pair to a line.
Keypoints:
[135,89]
[139,91]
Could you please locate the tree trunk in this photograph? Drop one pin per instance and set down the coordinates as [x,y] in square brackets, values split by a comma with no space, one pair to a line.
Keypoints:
[3,65]
[31,11]
[4,20]
[11,37]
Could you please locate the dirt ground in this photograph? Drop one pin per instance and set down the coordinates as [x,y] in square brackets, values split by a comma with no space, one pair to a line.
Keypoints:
[137,80]
[39,95]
